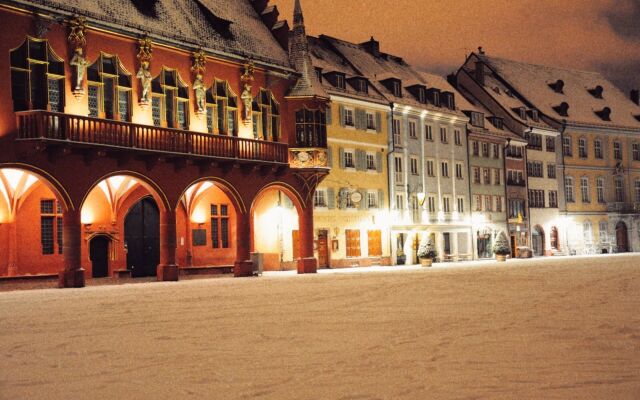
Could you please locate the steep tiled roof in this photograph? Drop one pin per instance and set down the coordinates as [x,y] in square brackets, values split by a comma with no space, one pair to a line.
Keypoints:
[225,26]
[535,83]
[325,58]
[378,68]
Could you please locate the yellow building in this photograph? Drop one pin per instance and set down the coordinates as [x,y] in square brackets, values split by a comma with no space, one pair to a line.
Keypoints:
[351,205]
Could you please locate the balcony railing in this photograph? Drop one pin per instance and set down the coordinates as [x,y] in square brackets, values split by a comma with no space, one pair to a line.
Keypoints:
[623,208]
[85,130]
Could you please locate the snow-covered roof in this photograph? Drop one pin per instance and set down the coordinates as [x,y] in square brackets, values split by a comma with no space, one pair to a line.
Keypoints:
[588,95]
[228,26]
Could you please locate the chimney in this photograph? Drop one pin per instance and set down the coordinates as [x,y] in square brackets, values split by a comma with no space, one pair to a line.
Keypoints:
[635,96]
[372,46]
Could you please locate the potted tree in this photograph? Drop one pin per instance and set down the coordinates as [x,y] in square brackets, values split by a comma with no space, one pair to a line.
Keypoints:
[501,248]
[427,252]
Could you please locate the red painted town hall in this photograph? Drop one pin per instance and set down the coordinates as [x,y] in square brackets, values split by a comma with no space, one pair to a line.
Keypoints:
[153,138]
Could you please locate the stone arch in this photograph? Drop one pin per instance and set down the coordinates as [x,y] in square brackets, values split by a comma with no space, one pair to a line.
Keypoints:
[156,191]
[48,180]
[290,191]
[225,186]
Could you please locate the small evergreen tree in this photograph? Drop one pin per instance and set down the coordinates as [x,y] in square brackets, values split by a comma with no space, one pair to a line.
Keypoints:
[501,246]
[427,249]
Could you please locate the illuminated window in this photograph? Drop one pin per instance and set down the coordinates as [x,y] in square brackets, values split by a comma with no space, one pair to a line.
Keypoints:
[109,88]
[311,128]
[222,110]
[268,111]
[37,77]
[172,104]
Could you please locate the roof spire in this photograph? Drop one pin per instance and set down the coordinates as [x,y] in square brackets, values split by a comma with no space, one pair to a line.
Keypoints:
[300,58]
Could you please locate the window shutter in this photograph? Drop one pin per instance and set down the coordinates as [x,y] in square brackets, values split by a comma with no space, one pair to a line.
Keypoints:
[360,163]
[329,157]
[379,162]
[378,122]
[341,153]
[328,115]
[381,204]
[341,109]
[342,197]
[331,198]
[362,119]
[363,202]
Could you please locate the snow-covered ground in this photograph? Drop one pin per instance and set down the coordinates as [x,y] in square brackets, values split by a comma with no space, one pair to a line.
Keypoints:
[553,328]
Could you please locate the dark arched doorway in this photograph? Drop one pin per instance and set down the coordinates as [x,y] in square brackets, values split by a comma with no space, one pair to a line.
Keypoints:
[99,256]
[622,239]
[537,240]
[142,238]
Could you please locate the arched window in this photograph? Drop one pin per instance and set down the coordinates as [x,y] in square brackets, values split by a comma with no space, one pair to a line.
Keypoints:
[266,116]
[222,109]
[109,89]
[568,189]
[170,101]
[311,128]
[37,77]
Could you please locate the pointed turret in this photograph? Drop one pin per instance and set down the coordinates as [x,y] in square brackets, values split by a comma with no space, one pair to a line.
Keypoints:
[307,85]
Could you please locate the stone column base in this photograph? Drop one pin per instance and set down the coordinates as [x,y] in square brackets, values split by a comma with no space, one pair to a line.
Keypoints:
[243,269]
[307,266]
[167,273]
[71,279]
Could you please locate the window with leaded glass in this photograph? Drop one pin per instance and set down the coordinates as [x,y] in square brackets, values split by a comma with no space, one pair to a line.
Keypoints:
[220,226]
[37,77]
[109,87]
[50,226]
[311,128]
[268,110]
[173,95]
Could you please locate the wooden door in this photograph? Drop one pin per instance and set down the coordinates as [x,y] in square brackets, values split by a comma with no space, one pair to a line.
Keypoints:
[353,242]
[99,256]
[323,249]
[622,241]
[375,243]
[142,237]
[295,236]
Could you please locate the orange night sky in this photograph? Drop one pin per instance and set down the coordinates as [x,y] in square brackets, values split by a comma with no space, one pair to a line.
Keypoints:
[601,35]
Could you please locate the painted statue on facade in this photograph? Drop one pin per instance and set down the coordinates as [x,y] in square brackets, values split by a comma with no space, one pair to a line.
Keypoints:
[201,91]
[80,63]
[247,100]
[145,82]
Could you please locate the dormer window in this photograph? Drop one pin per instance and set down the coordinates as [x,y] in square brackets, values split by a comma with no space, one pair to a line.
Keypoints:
[597,92]
[557,86]
[448,100]
[562,109]
[534,115]
[477,119]
[433,95]
[497,122]
[522,112]
[397,90]
[422,95]
[340,81]
[359,84]
[604,114]
[319,74]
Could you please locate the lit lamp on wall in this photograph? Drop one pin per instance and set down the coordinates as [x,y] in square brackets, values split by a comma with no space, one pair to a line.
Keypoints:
[198,217]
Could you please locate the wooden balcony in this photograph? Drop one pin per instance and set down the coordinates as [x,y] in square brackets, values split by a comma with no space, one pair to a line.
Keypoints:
[311,157]
[74,129]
